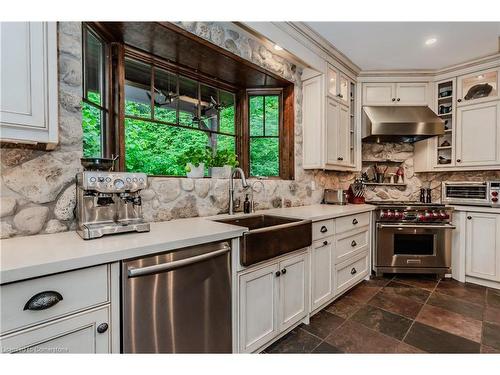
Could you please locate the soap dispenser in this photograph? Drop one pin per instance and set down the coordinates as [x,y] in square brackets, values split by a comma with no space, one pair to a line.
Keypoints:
[246,205]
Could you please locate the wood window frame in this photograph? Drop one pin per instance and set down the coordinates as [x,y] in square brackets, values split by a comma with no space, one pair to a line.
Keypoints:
[286,129]
[108,148]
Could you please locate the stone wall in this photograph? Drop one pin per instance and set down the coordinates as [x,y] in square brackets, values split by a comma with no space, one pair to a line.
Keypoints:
[37,187]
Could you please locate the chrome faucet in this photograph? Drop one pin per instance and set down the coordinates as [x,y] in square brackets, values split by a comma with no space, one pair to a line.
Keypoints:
[244,184]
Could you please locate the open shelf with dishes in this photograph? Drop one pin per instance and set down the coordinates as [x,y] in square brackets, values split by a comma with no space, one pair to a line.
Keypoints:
[445,110]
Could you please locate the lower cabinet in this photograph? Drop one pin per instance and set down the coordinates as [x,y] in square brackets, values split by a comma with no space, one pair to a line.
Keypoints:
[86,332]
[322,255]
[350,272]
[272,298]
[482,245]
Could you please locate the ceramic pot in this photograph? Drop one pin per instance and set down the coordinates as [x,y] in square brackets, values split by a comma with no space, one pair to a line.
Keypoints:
[221,172]
[196,172]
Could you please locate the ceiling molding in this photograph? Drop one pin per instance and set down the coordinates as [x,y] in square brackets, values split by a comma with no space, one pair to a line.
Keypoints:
[311,38]
[494,59]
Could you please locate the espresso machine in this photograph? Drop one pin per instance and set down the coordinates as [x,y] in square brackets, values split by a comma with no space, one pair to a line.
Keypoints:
[109,203]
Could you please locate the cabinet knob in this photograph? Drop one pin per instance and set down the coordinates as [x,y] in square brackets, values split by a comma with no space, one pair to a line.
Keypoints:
[399,99]
[323,229]
[278,273]
[355,221]
[353,271]
[393,99]
[103,327]
[459,100]
[340,158]
[459,160]
[325,243]
[283,271]
[353,243]
[469,217]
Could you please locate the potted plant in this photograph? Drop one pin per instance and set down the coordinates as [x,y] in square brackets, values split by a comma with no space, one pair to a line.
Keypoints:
[194,158]
[222,162]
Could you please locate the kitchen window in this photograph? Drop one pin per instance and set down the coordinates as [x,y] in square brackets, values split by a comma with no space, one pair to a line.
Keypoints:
[95,112]
[264,114]
[167,114]
[150,110]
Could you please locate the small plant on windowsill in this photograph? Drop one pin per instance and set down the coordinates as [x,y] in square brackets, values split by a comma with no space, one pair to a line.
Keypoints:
[222,162]
[194,158]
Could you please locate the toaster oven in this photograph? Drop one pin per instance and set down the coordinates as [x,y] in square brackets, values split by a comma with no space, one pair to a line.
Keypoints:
[471,193]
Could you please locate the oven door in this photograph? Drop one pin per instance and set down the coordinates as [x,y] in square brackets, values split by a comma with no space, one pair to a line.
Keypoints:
[414,245]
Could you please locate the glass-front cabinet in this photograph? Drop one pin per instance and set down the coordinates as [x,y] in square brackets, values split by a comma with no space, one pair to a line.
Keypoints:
[445,147]
[478,87]
[338,85]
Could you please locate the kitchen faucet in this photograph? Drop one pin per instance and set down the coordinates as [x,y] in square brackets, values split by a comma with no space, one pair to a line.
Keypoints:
[244,184]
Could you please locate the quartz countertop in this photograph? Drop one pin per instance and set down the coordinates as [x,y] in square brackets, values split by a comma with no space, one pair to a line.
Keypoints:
[33,256]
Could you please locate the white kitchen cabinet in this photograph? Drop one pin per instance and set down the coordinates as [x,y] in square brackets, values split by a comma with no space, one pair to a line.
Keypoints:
[322,255]
[350,272]
[258,307]
[482,245]
[29,83]
[379,93]
[338,85]
[338,140]
[331,139]
[271,299]
[395,93]
[293,291]
[477,134]
[78,333]
[468,83]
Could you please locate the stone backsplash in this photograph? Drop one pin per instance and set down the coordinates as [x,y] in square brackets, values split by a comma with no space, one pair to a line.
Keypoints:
[37,187]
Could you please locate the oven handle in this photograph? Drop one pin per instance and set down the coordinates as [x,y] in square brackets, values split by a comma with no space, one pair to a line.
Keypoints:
[446,226]
[157,268]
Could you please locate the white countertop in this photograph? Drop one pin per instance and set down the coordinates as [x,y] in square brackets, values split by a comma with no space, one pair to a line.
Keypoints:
[33,256]
[476,209]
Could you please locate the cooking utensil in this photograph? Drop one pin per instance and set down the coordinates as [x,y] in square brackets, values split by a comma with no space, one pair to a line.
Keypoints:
[98,164]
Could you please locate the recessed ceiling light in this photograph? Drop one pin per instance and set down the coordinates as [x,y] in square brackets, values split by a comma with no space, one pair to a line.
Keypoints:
[430,41]
[278,48]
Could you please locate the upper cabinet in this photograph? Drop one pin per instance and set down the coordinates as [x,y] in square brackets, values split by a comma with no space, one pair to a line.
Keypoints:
[330,137]
[469,104]
[338,85]
[28,106]
[390,93]
[478,87]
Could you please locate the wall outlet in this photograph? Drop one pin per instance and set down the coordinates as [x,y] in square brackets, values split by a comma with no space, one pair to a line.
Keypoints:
[313,185]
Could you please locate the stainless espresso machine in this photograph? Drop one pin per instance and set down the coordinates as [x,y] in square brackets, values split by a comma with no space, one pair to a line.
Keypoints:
[109,203]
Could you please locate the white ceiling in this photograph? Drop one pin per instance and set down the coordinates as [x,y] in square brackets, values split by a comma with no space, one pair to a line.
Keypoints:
[401,45]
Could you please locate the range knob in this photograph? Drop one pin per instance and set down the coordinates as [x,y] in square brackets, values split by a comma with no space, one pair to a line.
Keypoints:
[435,215]
[383,214]
[494,199]
[390,214]
[420,216]
[118,183]
[494,193]
[398,215]
[427,215]
[443,215]
[92,179]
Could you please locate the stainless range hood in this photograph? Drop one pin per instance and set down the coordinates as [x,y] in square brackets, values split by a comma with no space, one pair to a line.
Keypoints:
[400,124]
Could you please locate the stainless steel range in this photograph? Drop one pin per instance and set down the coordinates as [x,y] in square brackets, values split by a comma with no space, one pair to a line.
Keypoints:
[412,237]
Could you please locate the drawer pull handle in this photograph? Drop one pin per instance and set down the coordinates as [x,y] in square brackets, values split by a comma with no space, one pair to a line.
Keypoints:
[354,221]
[353,243]
[323,229]
[43,300]
[353,271]
[325,243]
[103,327]
[278,273]
[283,271]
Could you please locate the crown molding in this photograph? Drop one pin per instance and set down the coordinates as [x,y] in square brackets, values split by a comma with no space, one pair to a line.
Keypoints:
[310,38]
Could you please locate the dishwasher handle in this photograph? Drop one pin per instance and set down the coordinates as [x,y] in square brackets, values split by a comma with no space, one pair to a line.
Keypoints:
[157,268]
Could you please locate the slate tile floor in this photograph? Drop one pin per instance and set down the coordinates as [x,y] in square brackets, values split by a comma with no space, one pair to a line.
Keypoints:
[402,314]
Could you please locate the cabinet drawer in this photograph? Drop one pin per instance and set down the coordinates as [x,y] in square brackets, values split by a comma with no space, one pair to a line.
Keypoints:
[350,272]
[322,229]
[74,334]
[346,247]
[347,223]
[75,290]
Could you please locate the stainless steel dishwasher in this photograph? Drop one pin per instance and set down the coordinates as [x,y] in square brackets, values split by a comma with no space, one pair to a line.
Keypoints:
[178,302]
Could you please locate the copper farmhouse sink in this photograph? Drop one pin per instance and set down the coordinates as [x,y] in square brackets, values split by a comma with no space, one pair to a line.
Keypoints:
[269,236]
